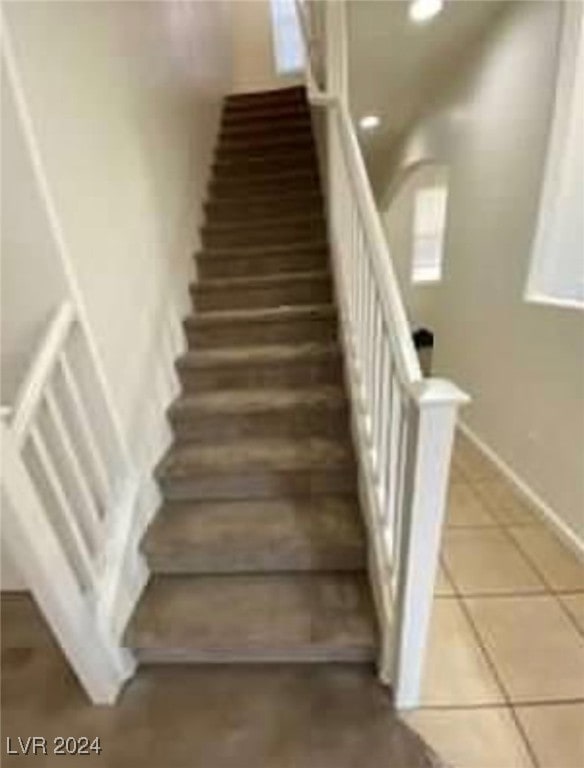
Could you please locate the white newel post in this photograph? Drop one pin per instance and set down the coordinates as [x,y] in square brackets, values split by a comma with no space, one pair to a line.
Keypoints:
[430,438]
[100,665]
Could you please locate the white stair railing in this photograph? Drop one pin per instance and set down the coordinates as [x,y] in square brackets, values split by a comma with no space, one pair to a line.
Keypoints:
[403,424]
[64,473]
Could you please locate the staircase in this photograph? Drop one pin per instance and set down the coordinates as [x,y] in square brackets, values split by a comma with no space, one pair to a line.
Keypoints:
[258,553]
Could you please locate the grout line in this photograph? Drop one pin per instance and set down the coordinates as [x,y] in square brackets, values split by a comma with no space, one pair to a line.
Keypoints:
[552,592]
[523,734]
[498,680]
[495,595]
[547,591]
[502,705]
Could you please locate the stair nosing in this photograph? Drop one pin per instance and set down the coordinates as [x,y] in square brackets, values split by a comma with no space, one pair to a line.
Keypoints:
[357,641]
[209,357]
[260,315]
[260,281]
[334,396]
[270,221]
[272,249]
[293,173]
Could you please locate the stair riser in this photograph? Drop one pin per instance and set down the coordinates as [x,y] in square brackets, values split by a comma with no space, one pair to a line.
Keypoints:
[304,182]
[301,293]
[297,423]
[294,109]
[258,484]
[269,562]
[259,265]
[325,371]
[265,130]
[267,146]
[252,334]
[250,167]
[248,236]
[233,211]
[267,98]
[366,655]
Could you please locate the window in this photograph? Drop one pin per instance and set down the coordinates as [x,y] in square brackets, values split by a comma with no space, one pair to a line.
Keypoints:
[557,270]
[287,37]
[428,235]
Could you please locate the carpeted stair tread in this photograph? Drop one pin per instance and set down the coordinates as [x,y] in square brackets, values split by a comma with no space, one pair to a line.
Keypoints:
[274,353]
[261,281]
[247,618]
[257,400]
[273,249]
[279,535]
[261,315]
[186,460]
[269,222]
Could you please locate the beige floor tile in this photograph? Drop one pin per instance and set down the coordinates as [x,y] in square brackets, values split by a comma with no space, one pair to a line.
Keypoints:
[443,586]
[536,650]
[473,738]
[504,502]
[560,567]
[466,508]
[456,671]
[457,473]
[486,561]
[555,733]
[575,606]
[474,465]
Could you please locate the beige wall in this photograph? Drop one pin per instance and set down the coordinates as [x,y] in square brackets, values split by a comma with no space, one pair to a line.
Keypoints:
[125,100]
[522,363]
[254,67]
[33,283]
[398,221]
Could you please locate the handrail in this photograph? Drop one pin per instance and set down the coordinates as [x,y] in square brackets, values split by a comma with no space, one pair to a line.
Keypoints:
[403,424]
[395,316]
[390,297]
[45,359]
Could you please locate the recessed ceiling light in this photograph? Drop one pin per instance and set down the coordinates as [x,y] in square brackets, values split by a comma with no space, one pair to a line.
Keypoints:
[369,122]
[424,10]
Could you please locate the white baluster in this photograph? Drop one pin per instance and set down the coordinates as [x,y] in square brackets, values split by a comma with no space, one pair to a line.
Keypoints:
[97,468]
[71,530]
[100,666]
[87,508]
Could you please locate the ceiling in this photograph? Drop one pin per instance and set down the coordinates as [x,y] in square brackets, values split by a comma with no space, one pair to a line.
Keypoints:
[395,64]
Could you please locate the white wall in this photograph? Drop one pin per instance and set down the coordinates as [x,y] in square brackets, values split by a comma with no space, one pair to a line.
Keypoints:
[33,283]
[124,102]
[254,66]
[522,363]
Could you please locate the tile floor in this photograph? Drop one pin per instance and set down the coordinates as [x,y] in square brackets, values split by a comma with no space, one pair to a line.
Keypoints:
[504,679]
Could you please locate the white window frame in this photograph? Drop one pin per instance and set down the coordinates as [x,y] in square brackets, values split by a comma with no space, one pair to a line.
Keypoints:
[434,237]
[563,164]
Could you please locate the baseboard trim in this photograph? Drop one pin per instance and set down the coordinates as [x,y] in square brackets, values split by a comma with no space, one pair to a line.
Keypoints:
[539,506]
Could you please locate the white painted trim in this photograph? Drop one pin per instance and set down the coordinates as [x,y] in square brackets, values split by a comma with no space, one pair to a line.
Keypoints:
[43,362]
[546,514]
[101,666]
[540,298]
[379,569]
